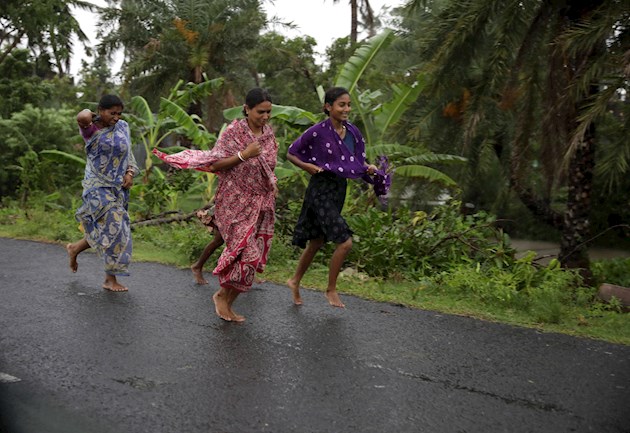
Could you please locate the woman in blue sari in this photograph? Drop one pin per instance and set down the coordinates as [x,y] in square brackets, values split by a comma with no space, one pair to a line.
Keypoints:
[109,172]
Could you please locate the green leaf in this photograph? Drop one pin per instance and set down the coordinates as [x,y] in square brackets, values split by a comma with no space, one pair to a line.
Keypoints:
[197,92]
[354,68]
[286,113]
[60,156]
[234,113]
[392,149]
[194,131]
[435,158]
[404,95]
[141,108]
[428,173]
[294,115]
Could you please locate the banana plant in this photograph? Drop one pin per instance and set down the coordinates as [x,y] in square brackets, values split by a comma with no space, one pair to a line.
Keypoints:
[171,118]
[378,116]
[153,128]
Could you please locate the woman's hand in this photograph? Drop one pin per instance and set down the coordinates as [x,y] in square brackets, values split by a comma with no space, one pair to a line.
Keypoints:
[253,149]
[127,181]
[313,169]
[371,169]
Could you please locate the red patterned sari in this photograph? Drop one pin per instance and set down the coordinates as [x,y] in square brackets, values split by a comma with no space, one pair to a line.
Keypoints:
[244,201]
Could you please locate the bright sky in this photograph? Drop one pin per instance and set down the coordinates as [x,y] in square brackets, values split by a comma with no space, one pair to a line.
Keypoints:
[320,19]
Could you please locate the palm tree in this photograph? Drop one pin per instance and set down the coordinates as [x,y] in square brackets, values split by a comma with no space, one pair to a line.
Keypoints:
[192,40]
[47,26]
[364,10]
[544,72]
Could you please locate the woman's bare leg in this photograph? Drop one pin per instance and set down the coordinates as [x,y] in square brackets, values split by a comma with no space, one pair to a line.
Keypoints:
[221,305]
[305,261]
[338,257]
[74,250]
[232,295]
[112,284]
[197,267]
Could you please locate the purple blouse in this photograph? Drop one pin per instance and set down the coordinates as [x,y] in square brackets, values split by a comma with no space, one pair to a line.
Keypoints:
[322,146]
[87,133]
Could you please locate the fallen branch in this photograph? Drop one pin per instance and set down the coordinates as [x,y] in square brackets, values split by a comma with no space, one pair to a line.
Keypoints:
[167,220]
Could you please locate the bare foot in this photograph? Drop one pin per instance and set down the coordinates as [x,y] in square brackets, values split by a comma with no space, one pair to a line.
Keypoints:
[232,294]
[72,254]
[198,274]
[221,306]
[236,317]
[114,286]
[295,289]
[333,299]
[259,280]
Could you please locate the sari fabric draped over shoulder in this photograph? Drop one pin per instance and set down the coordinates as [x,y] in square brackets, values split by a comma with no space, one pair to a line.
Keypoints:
[244,202]
[103,214]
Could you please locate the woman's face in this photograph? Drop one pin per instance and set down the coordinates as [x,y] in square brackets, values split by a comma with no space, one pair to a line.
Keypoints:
[259,115]
[109,116]
[340,109]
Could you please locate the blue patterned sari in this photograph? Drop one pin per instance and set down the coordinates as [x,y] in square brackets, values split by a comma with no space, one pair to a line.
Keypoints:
[103,213]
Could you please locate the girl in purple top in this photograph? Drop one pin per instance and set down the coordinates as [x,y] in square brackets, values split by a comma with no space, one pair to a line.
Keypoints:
[331,152]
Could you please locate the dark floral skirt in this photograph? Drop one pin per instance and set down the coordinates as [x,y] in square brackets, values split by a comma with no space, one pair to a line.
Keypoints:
[321,211]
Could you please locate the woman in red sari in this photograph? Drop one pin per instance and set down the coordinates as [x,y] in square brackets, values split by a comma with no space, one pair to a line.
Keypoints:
[244,158]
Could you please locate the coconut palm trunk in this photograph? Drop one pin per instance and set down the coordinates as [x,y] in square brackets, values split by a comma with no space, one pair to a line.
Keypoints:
[576,219]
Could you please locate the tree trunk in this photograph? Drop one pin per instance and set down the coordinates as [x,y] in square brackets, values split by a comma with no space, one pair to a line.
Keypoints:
[576,224]
[354,23]
[195,107]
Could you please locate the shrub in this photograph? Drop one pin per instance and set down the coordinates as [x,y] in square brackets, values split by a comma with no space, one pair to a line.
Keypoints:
[418,244]
[614,271]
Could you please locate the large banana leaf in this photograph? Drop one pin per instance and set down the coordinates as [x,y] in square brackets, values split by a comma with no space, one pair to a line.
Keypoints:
[63,157]
[354,68]
[142,111]
[235,112]
[421,171]
[404,95]
[287,113]
[194,92]
[295,115]
[194,131]
[434,158]
[392,149]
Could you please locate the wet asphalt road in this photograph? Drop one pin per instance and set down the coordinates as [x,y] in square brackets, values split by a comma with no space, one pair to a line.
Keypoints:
[75,358]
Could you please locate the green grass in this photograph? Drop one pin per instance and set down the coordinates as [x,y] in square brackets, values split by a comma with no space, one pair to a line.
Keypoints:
[179,244]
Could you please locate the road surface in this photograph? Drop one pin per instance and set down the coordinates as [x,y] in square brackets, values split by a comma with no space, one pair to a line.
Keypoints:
[75,358]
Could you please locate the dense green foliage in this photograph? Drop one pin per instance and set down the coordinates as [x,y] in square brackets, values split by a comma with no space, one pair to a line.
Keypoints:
[528,92]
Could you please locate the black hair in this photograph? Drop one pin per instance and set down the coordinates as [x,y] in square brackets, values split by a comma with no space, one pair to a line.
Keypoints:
[109,101]
[255,97]
[332,95]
